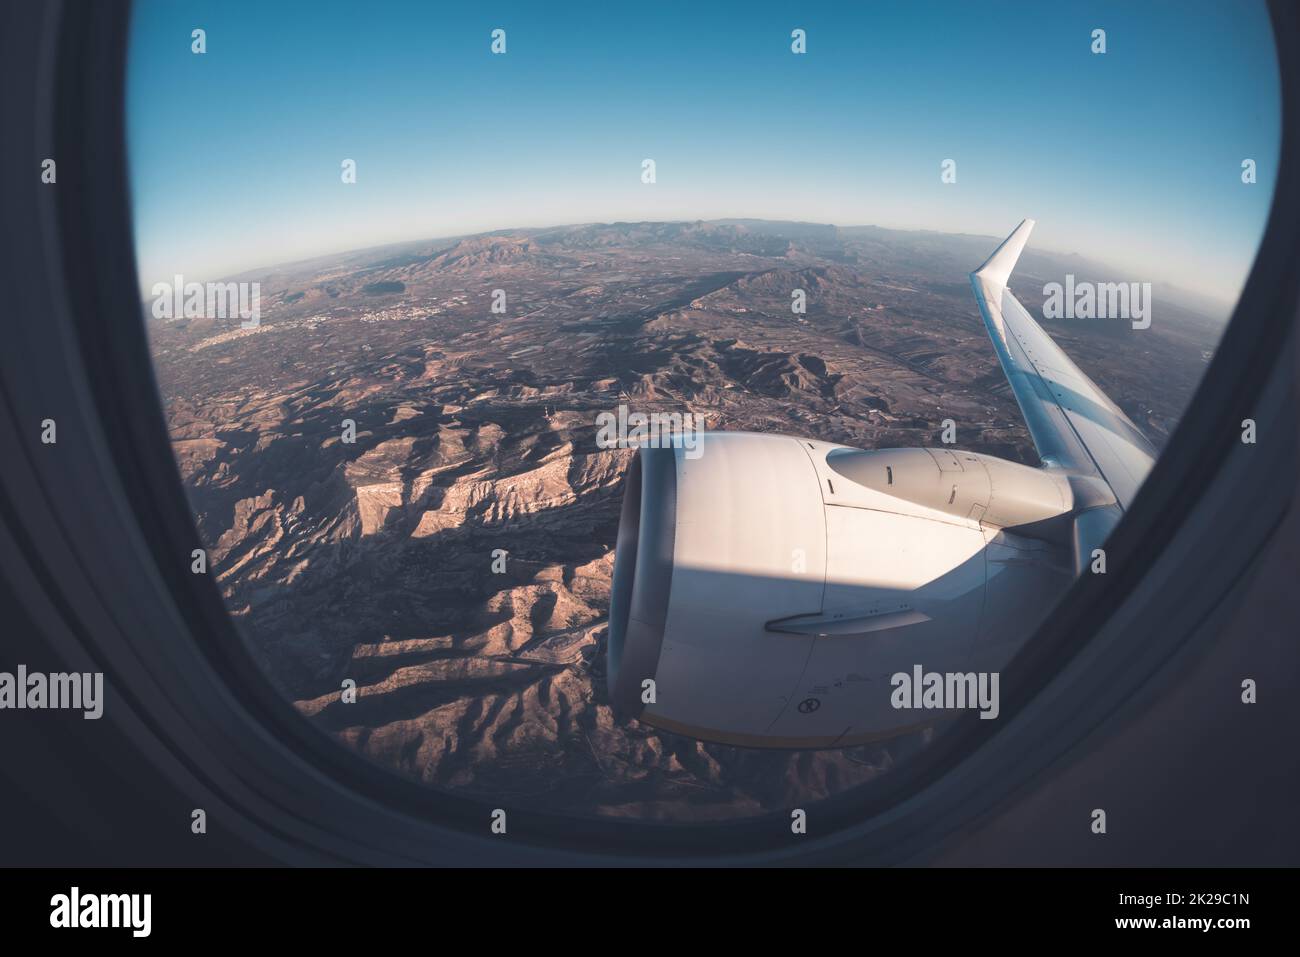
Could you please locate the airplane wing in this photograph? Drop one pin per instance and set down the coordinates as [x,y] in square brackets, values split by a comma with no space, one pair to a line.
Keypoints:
[1074,425]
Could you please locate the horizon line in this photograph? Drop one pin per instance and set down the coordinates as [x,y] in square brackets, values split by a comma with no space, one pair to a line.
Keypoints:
[287,263]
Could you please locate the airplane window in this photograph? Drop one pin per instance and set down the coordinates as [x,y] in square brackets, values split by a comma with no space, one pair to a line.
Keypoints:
[680,415]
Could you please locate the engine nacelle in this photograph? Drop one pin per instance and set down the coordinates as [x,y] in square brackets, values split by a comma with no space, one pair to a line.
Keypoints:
[766,588]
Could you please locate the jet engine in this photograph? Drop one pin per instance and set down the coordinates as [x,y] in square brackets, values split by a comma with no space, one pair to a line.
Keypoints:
[766,587]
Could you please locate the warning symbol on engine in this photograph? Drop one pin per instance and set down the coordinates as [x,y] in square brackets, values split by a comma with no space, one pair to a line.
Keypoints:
[809,705]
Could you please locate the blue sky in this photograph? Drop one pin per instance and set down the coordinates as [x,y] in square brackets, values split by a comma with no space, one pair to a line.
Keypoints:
[1131,157]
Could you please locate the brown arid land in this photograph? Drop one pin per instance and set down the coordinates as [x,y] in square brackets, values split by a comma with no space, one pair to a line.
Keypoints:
[475,432]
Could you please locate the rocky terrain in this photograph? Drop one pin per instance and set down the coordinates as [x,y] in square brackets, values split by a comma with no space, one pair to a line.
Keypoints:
[375,552]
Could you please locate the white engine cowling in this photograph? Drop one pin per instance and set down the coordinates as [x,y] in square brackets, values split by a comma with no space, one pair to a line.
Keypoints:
[766,587]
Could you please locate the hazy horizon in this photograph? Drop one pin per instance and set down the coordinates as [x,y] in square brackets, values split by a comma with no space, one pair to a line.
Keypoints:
[288,264]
